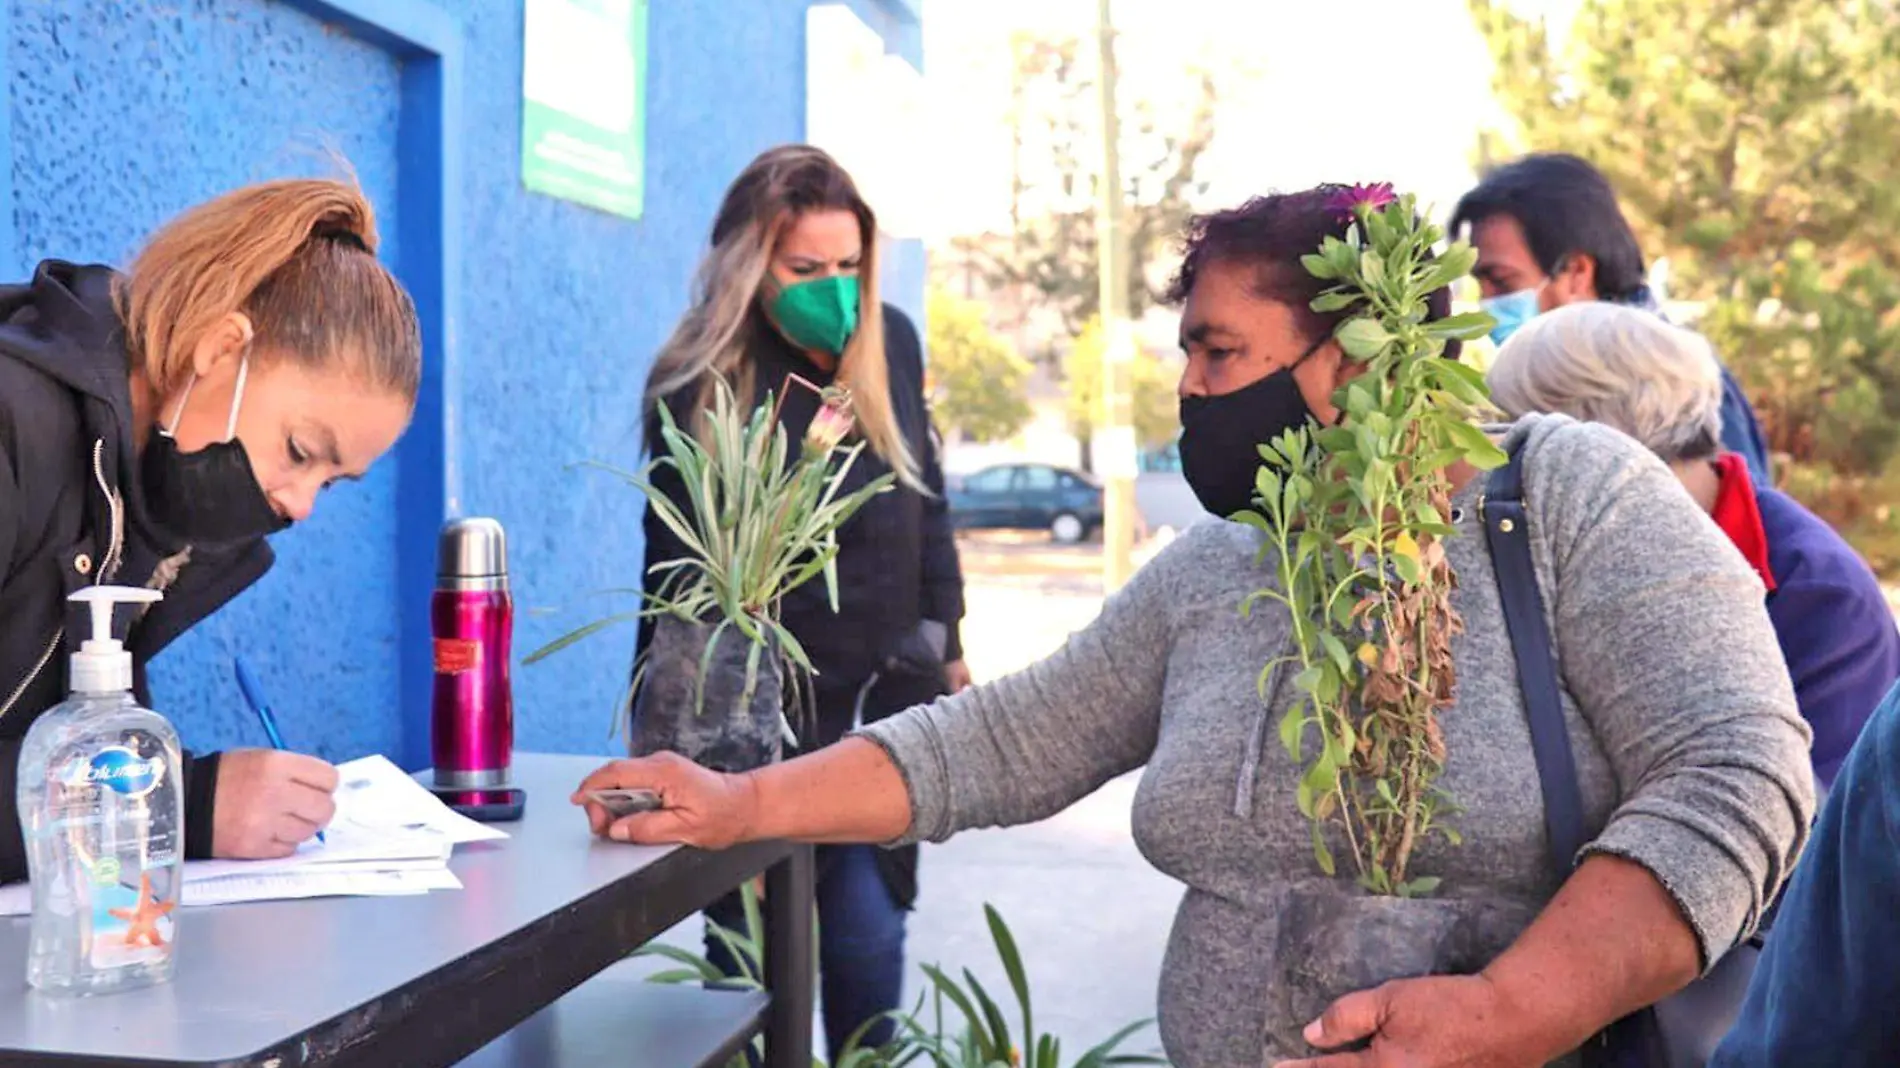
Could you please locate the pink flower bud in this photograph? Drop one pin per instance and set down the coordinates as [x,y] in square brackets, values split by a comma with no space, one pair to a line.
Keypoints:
[830,426]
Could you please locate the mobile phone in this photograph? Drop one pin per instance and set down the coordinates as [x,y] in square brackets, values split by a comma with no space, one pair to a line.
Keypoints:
[487,806]
[620,803]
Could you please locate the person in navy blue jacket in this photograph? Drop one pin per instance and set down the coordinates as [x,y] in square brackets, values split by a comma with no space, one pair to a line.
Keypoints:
[1549,233]
[1660,384]
[1826,990]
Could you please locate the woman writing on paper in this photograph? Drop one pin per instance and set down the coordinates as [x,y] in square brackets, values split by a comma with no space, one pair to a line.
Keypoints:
[156,425]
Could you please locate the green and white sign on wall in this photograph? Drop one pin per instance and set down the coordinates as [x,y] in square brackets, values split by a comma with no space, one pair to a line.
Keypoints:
[583,107]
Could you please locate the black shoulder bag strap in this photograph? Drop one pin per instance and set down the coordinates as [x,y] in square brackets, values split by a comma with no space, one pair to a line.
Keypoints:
[1634,1041]
[1507,531]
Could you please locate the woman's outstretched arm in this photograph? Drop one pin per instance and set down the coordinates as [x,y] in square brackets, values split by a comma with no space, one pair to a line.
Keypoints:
[1014,751]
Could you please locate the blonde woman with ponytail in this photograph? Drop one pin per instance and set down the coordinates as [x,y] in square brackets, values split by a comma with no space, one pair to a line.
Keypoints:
[789,288]
[157,424]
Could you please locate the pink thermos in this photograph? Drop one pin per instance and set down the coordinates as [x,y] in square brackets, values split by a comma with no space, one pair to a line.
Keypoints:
[473,714]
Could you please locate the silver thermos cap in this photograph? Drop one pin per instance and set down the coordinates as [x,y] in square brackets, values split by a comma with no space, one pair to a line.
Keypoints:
[472,552]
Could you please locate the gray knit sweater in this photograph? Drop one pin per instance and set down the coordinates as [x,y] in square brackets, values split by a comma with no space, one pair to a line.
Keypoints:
[1692,755]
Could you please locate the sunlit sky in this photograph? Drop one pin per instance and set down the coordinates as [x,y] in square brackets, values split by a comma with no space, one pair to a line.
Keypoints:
[1349,90]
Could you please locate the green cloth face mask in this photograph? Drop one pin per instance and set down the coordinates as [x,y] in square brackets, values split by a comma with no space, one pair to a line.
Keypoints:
[820,314]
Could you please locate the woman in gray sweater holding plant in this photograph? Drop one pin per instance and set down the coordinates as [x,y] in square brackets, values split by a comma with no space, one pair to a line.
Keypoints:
[1691,756]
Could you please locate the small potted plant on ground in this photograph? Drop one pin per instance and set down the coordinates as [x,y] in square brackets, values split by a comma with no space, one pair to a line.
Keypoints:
[758,521]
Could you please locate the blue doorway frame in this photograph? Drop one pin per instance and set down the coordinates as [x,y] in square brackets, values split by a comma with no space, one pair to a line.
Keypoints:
[428,41]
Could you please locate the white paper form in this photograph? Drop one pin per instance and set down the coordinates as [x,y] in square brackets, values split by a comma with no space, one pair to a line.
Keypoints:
[376,797]
[283,886]
[390,836]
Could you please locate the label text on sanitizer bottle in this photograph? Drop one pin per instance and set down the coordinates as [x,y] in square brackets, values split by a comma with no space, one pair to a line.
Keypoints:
[131,920]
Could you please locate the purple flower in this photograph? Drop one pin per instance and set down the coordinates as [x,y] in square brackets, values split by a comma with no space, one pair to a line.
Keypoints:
[1349,199]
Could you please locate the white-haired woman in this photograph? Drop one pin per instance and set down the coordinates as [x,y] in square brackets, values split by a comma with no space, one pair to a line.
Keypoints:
[1661,385]
[788,288]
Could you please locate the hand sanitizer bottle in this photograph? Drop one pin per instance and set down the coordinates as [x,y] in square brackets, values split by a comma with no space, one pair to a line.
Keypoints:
[101,807]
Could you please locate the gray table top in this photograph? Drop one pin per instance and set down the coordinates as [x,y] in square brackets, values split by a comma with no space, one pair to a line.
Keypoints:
[250,976]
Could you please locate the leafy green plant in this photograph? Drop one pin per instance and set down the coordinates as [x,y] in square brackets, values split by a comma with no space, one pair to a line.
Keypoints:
[984,1038]
[746,948]
[973,1033]
[978,385]
[1761,171]
[1155,409]
[1355,517]
[756,521]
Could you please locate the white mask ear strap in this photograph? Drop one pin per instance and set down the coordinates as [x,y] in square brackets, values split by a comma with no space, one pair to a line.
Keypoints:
[171,429]
[237,397]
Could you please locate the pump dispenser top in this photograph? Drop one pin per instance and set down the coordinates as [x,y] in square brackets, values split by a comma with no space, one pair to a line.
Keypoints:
[102,665]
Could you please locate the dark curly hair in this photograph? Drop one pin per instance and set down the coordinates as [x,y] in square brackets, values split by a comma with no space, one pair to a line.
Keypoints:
[1269,234]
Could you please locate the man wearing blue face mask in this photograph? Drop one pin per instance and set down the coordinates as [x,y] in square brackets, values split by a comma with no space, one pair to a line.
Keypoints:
[1549,233]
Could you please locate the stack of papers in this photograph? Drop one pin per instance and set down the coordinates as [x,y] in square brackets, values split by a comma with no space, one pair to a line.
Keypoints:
[390,836]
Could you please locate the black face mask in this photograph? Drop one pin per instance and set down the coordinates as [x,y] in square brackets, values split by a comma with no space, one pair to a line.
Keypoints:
[209,497]
[1221,436]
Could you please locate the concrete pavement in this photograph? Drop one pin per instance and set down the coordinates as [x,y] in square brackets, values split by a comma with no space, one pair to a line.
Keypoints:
[1089,914]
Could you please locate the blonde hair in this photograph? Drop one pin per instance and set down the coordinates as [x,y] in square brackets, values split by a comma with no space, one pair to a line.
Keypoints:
[709,344]
[1617,365]
[298,257]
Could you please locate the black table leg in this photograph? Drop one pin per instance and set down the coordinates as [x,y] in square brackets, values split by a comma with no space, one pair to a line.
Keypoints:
[789,961]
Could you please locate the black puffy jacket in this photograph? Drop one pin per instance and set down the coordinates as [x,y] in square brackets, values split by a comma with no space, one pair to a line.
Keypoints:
[71,515]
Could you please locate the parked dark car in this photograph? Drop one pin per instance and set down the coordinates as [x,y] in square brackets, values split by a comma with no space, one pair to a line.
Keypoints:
[1066,503]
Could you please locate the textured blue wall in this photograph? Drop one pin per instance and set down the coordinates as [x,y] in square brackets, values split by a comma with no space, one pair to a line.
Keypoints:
[564,308]
[118,123]
[904,274]
[123,114]
[563,314]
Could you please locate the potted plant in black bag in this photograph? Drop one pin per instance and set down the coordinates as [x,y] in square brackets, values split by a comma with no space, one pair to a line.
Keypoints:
[758,521]
[1355,517]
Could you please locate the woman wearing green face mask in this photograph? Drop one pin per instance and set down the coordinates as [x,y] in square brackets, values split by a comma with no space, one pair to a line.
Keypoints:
[788,288]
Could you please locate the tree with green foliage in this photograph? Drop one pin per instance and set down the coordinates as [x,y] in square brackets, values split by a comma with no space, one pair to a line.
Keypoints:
[1754,143]
[1157,415]
[1049,257]
[978,384]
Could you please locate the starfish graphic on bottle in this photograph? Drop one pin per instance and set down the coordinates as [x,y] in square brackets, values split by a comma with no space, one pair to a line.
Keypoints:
[143,920]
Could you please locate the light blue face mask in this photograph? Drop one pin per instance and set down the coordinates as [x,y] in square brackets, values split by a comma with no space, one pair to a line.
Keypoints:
[1512,310]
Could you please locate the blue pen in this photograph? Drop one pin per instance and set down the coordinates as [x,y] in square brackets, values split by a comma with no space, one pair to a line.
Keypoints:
[254,696]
